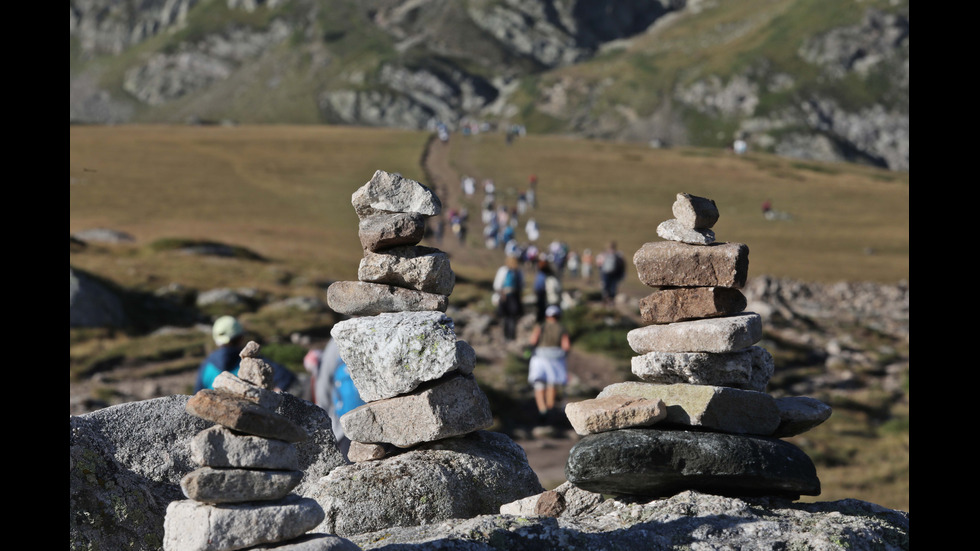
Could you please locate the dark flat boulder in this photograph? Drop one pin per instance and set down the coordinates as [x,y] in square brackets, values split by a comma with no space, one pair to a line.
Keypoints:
[658,463]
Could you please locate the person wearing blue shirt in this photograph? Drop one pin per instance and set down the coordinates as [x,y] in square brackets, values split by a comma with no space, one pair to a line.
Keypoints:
[229,335]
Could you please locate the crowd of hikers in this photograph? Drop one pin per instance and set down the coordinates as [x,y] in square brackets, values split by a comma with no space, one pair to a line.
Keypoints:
[530,269]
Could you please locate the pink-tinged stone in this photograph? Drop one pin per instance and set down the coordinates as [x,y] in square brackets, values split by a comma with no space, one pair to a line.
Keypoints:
[613,413]
[689,303]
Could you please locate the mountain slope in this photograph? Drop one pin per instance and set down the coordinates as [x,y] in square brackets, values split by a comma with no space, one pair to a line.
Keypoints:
[822,80]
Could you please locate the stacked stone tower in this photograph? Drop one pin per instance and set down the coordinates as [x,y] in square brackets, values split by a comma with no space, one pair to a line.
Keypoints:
[240,496]
[704,383]
[416,377]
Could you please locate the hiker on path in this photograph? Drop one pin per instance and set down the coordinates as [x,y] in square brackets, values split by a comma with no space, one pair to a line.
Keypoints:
[508,286]
[612,270]
[548,369]
[229,336]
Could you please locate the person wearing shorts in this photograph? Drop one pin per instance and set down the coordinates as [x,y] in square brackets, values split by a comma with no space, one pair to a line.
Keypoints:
[548,370]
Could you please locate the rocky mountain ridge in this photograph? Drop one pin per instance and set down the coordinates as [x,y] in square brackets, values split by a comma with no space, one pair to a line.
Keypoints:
[786,77]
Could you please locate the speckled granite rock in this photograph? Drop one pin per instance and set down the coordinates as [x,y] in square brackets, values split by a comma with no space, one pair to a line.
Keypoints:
[748,369]
[453,478]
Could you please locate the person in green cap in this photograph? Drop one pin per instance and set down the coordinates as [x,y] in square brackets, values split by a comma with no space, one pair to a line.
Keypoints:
[229,335]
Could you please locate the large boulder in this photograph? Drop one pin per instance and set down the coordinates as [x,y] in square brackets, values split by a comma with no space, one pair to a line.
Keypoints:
[126,463]
[689,520]
[92,303]
[453,478]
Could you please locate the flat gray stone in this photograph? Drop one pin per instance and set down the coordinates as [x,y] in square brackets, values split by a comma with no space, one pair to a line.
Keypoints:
[453,478]
[387,230]
[673,264]
[391,354]
[391,192]
[748,369]
[674,230]
[230,383]
[799,414]
[690,303]
[651,462]
[220,447]
[356,298]
[230,485]
[193,526]
[726,334]
[711,407]
[613,413]
[243,415]
[695,212]
[439,410]
[421,268]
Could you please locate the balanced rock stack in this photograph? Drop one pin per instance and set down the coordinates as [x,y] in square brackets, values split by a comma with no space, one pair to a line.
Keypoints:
[717,429]
[240,496]
[404,359]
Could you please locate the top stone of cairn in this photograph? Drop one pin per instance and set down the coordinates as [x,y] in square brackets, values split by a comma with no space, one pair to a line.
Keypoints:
[389,192]
[695,212]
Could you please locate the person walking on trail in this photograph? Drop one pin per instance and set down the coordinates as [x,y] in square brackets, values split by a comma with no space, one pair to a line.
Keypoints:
[229,336]
[508,286]
[333,389]
[548,370]
[587,262]
[547,290]
[612,271]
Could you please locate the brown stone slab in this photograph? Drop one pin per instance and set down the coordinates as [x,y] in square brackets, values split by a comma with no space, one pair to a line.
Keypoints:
[688,303]
[673,264]
[386,230]
[211,485]
[243,415]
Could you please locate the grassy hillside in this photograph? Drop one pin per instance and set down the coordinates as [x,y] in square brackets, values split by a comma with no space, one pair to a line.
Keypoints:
[282,191]
[847,222]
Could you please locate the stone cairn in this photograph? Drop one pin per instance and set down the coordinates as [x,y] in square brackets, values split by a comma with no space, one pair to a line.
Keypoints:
[404,340]
[704,383]
[415,377]
[240,496]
